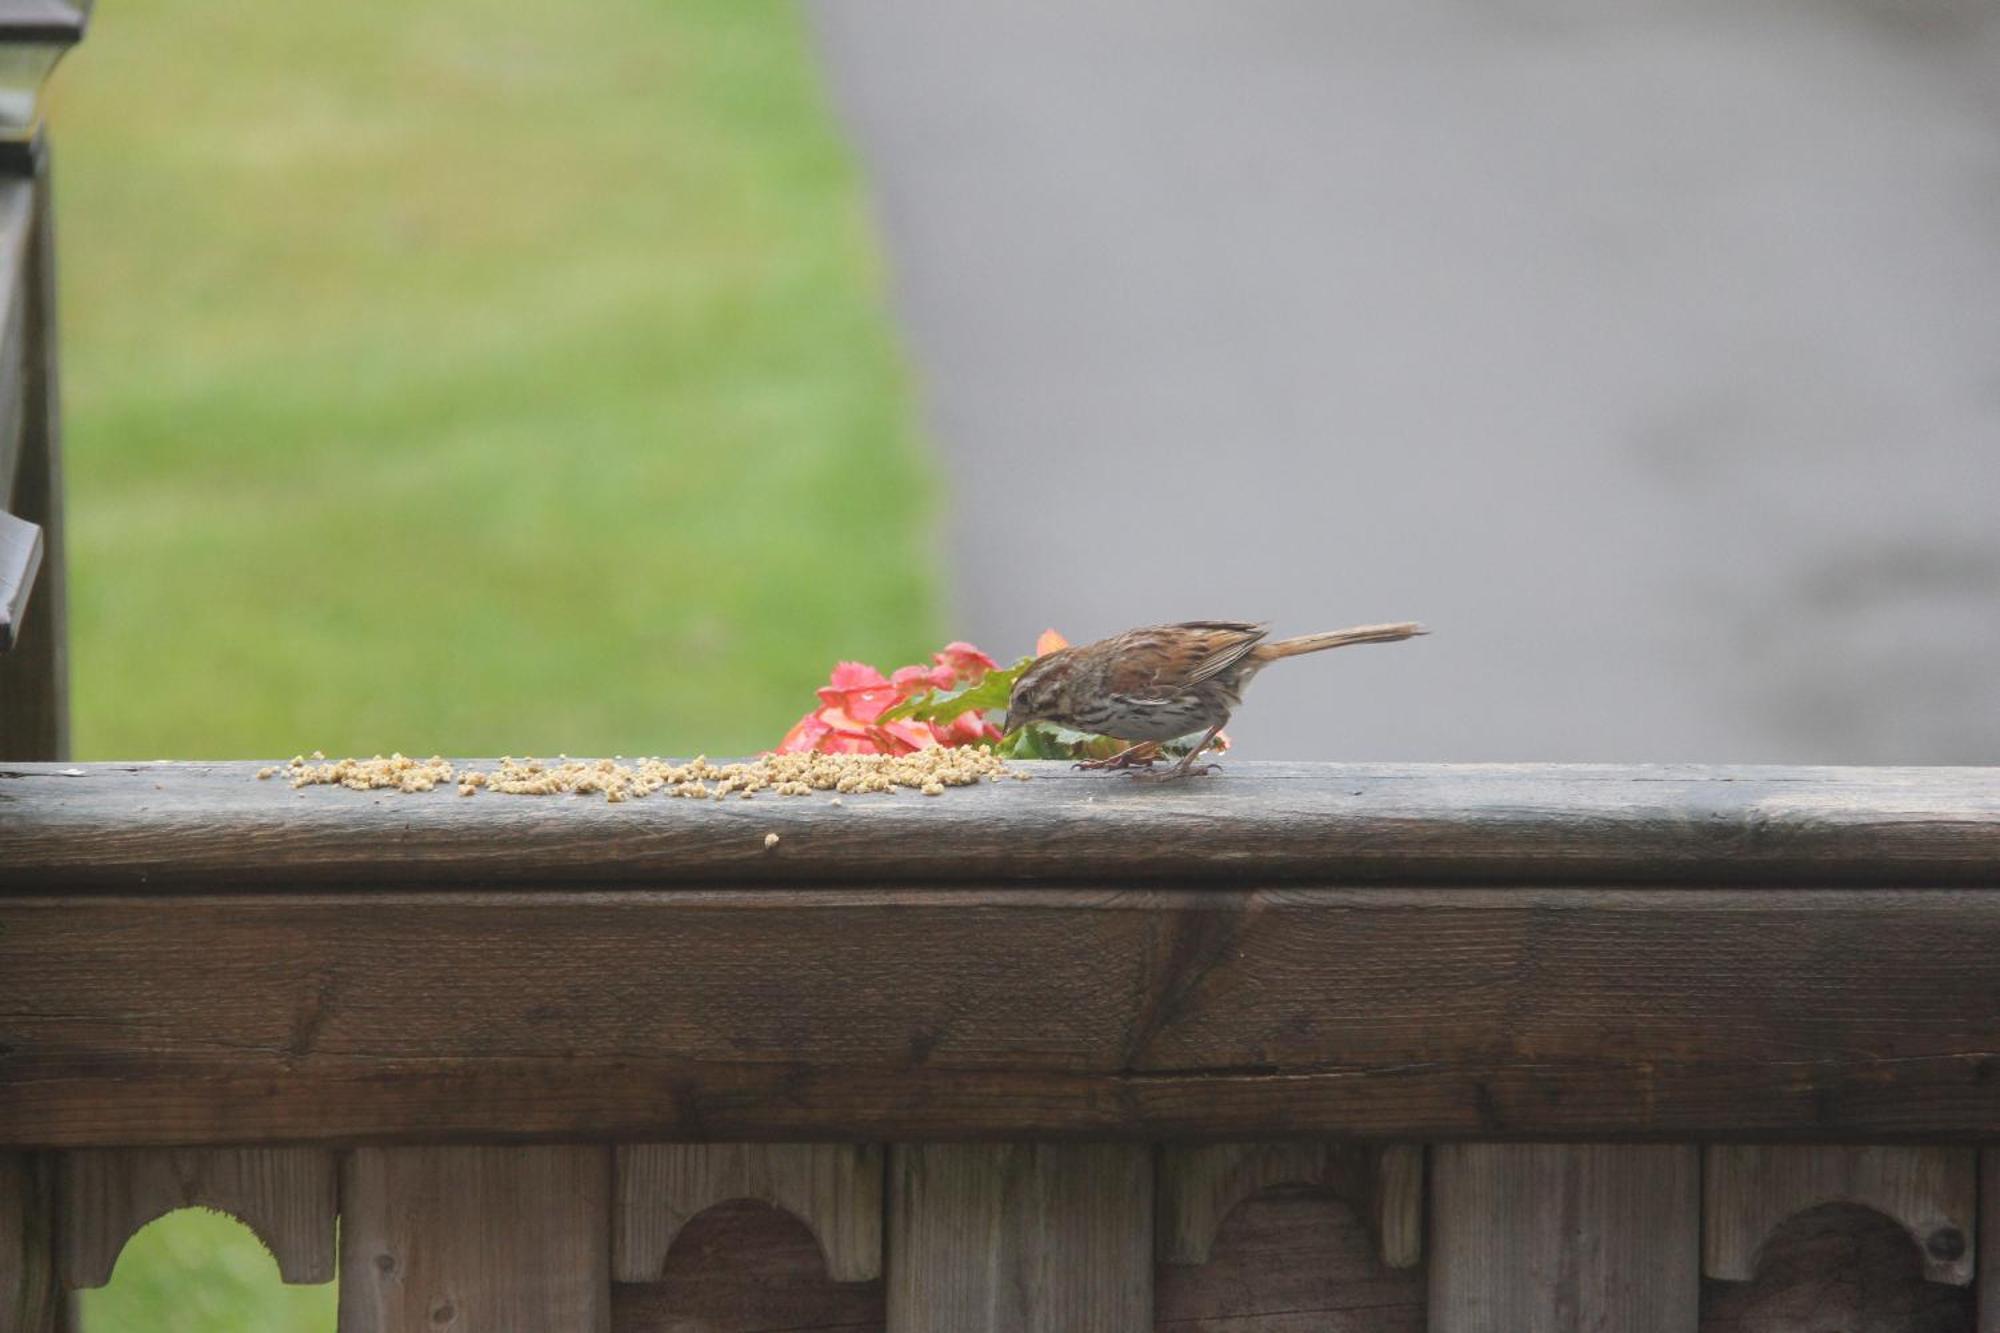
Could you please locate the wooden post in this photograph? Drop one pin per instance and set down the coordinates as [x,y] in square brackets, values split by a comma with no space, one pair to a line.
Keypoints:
[30,1297]
[1565,1238]
[1020,1238]
[476,1240]
[34,675]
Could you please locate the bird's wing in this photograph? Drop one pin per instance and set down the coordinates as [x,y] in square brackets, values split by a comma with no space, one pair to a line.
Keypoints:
[1156,664]
[1229,642]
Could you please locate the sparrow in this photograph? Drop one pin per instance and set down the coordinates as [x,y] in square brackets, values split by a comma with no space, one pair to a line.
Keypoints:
[1164,681]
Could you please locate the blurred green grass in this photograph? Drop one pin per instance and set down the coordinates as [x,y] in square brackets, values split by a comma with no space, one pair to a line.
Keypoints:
[478,377]
[196,1271]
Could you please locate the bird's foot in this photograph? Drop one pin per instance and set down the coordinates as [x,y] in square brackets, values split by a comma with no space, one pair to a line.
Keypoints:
[1178,771]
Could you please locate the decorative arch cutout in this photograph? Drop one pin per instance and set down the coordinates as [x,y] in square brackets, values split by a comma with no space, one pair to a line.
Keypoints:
[285,1196]
[742,1265]
[1748,1192]
[1197,1188]
[1291,1257]
[1837,1265]
[199,1268]
[834,1188]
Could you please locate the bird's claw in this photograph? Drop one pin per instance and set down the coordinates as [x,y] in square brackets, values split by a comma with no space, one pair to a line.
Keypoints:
[1179,771]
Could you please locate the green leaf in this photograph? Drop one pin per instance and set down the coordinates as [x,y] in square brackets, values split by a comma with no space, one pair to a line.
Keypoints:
[992,691]
[1044,740]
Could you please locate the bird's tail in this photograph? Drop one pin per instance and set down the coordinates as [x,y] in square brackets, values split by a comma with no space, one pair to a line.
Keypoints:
[1338,638]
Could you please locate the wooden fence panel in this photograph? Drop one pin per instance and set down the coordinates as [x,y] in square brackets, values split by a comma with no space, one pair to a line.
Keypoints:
[746,1267]
[1020,1238]
[1198,1185]
[285,1195]
[1565,1238]
[1837,1268]
[485,1240]
[1290,1259]
[1747,1191]
[834,1188]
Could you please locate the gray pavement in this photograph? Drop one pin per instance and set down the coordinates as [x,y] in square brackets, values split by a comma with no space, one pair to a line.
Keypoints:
[1650,351]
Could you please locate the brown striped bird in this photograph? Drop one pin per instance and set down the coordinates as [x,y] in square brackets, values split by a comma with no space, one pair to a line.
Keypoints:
[1154,684]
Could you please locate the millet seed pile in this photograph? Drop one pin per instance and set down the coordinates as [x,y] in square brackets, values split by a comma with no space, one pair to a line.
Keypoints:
[928,771]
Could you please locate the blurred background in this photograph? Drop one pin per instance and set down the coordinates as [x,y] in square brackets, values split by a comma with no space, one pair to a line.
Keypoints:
[508,378]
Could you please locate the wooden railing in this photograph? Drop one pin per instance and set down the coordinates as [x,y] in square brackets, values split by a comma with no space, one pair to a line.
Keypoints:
[1294,1046]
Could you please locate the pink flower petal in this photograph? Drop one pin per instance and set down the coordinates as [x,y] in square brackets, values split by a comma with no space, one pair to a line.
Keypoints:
[968,728]
[804,736]
[855,676]
[906,735]
[919,679]
[849,742]
[965,661]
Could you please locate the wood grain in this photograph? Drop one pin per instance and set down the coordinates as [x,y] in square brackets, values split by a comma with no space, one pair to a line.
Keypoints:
[213,826]
[285,1195]
[746,1267]
[1291,1259]
[1564,1238]
[31,1298]
[834,1188]
[1198,1186]
[1837,1268]
[1020,1238]
[845,1014]
[1747,1191]
[476,1240]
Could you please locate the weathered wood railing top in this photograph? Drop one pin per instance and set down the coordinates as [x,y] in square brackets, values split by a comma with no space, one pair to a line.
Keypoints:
[215,826]
[190,955]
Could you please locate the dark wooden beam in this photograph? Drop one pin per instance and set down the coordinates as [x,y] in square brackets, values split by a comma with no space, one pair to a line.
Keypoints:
[898,1014]
[215,826]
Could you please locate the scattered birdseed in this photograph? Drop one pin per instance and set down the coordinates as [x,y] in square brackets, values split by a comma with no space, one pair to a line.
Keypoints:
[928,771]
[397,771]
